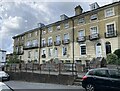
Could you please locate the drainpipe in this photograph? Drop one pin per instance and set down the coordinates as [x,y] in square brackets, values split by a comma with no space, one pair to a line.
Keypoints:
[73,46]
[39,44]
[40,37]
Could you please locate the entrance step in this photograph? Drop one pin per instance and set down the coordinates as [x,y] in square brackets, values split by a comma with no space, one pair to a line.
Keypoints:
[78,81]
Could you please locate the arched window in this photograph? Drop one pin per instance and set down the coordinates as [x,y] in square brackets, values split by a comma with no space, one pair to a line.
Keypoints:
[98,44]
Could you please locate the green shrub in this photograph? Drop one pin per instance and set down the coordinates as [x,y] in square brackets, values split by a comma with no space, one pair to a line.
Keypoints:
[112,59]
[117,52]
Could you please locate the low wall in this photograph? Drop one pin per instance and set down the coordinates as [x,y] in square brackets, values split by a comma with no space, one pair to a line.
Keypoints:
[42,78]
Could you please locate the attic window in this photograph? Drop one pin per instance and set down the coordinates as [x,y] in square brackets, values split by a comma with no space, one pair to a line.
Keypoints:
[43,32]
[93,17]
[81,20]
[58,27]
[66,25]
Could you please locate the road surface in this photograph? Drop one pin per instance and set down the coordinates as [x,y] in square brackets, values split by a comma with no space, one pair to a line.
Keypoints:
[29,86]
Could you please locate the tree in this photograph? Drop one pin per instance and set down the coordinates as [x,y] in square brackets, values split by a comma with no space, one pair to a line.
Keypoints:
[117,52]
[112,59]
[14,58]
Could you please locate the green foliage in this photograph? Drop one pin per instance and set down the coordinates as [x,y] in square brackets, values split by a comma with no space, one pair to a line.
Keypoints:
[118,61]
[112,59]
[117,52]
[13,59]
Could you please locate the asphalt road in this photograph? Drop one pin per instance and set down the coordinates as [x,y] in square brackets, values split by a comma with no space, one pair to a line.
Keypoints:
[29,86]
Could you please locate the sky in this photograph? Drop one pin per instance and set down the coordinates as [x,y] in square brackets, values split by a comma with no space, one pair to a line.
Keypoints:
[18,16]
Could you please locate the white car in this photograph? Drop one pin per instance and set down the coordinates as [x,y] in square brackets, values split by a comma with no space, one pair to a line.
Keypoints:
[4,87]
[4,76]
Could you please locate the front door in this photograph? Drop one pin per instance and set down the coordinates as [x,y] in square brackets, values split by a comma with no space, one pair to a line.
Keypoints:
[98,50]
[108,47]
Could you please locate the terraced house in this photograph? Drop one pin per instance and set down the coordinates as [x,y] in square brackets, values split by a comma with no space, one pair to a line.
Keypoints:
[78,39]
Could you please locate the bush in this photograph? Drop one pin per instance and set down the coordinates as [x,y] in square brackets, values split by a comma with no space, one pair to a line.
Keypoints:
[112,59]
[117,52]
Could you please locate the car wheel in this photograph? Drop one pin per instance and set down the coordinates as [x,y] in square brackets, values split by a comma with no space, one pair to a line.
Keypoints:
[90,87]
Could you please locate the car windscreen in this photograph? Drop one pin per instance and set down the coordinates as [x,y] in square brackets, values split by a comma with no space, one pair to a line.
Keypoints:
[114,74]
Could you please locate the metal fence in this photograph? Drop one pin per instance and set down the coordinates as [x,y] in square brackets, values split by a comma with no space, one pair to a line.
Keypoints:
[60,68]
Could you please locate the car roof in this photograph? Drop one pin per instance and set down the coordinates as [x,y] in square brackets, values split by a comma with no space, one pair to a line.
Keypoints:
[2,71]
[102,69]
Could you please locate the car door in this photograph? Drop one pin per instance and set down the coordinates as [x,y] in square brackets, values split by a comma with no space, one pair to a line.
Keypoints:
[102,79]
[115,79]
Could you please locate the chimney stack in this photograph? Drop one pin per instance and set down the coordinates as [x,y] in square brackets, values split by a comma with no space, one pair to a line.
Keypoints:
[78,10]
[41,25]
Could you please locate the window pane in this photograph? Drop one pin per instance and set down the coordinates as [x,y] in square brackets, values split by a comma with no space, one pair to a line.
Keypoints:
[93,30]
[109,12]
[83,50]
[50,52]
[81,20]
[58,38]
[94,17]
[66,36]
[81,33]
[64,51]
[114,74]
[66,25]
[102,73]
[110,29]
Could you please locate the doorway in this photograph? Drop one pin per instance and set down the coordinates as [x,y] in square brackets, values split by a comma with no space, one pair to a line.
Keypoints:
[98,50]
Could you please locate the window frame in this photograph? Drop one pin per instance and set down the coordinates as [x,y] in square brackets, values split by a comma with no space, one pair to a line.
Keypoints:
[67,37]
[94,30]
[94,17]
[50,52]
[50,29]
[29,54]
[50,40]
[58,27]
[81,49]
[82,20]
[42,43]
[65,50]
[66,25]
[81,30]
[110,24]
[105,12]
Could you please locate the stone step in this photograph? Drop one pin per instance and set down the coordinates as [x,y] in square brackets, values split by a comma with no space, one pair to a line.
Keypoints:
[78,80]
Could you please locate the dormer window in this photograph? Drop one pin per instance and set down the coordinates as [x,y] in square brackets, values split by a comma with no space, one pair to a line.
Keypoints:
[93,17]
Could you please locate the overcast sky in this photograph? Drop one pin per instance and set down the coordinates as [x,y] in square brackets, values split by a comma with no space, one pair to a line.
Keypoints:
[17,16]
